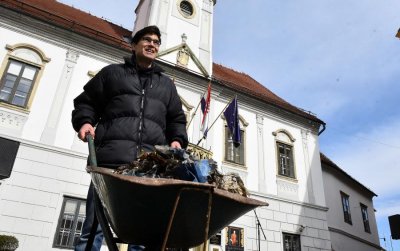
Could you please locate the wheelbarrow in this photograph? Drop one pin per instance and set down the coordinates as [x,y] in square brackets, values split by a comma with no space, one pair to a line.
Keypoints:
[161,213]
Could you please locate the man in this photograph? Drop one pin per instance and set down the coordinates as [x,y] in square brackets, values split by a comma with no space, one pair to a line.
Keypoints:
[133,107]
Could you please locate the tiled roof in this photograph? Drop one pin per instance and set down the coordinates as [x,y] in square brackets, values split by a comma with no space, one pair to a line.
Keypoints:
[72,19]
[325,160]
[244,83]
[86,24]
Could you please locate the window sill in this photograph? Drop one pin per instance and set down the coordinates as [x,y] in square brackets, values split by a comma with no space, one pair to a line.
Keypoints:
[286,178]
[14,107]
[232,165]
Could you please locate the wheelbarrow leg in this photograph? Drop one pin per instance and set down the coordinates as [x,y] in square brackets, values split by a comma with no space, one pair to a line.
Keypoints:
[171,220]
[208,219]
[112,246]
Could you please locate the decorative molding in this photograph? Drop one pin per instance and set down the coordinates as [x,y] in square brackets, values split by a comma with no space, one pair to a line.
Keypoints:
[260,119]
[186,48]
[12,120]
[200,152]
[208,5]
[72,56]
[287,189]
[284,132]
[43,57]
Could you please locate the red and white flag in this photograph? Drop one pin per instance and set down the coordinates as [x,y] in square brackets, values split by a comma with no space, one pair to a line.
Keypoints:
[205,108]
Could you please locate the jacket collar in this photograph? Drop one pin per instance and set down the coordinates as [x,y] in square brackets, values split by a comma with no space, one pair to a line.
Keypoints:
[131,62]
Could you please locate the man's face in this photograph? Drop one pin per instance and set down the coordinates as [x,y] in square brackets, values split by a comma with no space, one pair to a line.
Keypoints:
[147,48]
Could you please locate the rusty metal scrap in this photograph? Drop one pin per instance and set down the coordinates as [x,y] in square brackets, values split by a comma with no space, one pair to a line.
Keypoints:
[171,163]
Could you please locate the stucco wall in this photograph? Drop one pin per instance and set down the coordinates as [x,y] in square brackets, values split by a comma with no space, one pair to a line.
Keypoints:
[334,184]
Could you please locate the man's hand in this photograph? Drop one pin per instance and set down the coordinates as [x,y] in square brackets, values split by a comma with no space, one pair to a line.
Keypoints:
[85,129]
[176,144]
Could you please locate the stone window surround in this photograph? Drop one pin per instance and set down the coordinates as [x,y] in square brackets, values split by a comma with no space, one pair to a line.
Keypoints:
[288,142]
[243,124]
[12,54]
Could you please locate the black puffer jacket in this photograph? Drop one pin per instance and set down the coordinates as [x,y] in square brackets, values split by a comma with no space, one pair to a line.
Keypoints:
[112,101]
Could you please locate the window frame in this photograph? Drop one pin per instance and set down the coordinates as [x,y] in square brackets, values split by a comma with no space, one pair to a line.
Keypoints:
[183,12]
[18,81]
[346,207]
[365,218]
[26,54]
[291,157]
[71,243]
[293,237]
[241,148]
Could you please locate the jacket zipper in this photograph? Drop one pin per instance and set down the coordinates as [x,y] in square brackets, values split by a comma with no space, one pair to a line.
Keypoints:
[139,146]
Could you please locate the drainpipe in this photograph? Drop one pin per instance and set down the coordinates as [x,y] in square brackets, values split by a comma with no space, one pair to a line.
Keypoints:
[323,129]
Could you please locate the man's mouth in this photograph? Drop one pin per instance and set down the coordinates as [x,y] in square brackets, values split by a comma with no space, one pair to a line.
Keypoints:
[149,50]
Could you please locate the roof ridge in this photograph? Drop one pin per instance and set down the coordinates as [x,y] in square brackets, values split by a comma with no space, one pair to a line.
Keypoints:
[88,12]
[329,162]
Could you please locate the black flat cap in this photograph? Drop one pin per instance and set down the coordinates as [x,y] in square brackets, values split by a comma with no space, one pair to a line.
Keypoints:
[146,30]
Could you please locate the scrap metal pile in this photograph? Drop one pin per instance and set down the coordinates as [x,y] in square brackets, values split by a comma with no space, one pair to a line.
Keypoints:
[172,163]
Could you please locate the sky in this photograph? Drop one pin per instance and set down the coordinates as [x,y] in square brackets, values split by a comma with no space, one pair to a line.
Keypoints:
[339,59]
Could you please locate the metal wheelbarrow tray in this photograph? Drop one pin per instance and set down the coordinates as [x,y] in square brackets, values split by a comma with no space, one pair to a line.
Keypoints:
[166,212]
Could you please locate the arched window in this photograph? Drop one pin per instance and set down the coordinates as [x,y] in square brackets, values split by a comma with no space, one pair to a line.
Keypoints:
[21,72]
[284,148]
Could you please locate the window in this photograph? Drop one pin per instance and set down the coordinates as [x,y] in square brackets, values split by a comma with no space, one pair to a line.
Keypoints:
[364,214]
[21,70]
[232,153]
[291,242]
[9,149]
[285,156]
[70,224]
[17,82]
[285,160]
[346,207]
[186,8]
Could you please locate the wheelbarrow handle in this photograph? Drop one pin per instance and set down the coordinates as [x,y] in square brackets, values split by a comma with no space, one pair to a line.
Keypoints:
[92,150]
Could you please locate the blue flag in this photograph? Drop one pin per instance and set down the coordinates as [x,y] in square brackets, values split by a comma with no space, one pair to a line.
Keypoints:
[232,120]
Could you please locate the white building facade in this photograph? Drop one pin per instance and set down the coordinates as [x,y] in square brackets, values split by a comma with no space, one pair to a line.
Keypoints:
[351,216]
[48,51]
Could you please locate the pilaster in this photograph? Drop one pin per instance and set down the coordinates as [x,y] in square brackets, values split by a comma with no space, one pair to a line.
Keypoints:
[50,129]
[262,185]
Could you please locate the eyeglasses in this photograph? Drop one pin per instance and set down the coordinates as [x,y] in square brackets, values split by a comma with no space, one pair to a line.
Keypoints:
[148,40]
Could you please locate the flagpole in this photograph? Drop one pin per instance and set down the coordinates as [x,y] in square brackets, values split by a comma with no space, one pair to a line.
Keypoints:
[195,111]
[208,129]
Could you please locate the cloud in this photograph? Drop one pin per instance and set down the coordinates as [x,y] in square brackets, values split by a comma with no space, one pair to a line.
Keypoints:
[372,157]
[387,208]
[336,57]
